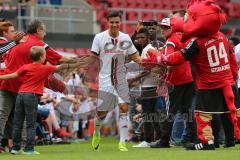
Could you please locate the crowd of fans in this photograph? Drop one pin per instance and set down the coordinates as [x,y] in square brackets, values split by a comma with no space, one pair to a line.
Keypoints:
[67,117]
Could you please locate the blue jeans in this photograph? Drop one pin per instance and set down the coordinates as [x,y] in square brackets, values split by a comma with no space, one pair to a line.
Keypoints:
[26,107]
[178,127]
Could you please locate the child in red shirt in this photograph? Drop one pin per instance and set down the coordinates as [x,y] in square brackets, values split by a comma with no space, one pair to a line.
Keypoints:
[32,77]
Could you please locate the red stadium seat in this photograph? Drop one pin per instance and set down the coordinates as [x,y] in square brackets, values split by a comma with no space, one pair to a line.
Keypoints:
[80,51]
[60,49]
[88,51]
[160,16]
[101,14]
[122,4]
[130,29]
[231,8]
[158,4]
[70,50]
[131,4]
[147,4]
[140,4]
[132,15]
[147,15]
[110,3]
[104,25]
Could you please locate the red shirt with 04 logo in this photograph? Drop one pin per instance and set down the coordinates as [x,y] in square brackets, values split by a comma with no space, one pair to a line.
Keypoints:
[213,62]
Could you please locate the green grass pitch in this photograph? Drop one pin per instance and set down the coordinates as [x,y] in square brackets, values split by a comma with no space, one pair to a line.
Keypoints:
[109,151]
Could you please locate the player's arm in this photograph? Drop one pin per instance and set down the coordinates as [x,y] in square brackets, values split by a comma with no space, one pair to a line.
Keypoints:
[135,57]
[66,59]
[54,57]
[137,77]
[9,76]
[174,58]
[82,62]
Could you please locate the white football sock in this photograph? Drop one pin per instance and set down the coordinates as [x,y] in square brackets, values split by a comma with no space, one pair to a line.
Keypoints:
[97,125]
[123,127]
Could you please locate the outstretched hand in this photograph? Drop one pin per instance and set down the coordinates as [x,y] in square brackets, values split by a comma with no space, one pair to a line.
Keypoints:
[18,36]
[152,57]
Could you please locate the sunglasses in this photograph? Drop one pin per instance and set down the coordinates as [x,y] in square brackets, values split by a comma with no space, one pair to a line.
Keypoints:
[164,27]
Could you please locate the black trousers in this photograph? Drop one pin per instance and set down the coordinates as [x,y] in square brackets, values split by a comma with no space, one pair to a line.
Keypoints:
[180,101]
[224,120]
[150,119]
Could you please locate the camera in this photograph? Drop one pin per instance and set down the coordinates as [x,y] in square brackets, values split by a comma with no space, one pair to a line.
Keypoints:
[149,23]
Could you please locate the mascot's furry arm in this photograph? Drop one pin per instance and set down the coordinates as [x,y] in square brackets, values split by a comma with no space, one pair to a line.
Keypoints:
[175,58]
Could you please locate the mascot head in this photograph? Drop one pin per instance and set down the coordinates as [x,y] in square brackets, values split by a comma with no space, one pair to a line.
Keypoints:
[203,18]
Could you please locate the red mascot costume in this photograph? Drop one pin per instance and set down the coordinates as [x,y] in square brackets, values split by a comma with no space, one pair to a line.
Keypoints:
[215,66]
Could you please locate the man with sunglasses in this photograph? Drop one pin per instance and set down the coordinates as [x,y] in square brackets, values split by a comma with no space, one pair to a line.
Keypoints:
[180,77]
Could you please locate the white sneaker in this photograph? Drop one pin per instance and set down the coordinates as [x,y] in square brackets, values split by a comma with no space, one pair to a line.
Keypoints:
[15,151]
[56,140]
[143,144]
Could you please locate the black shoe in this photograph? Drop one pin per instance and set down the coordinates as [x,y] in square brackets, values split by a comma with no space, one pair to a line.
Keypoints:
[135,139]
[229,145]
[216,145]
[200,146]
[159,144]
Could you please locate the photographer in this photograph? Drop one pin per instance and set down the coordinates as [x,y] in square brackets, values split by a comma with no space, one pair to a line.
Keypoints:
[148,95]
[152,27]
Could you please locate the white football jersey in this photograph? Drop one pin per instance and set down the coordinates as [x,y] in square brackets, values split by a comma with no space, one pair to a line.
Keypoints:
[112,52]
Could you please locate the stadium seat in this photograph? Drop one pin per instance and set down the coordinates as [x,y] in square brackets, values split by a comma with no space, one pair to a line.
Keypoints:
[101,14]
[80,51]
[140,4]
[70,50]
[60,49]
[231,8]
[104,25]
[147,15]
[149,4]
[130,29]
[160,16]
[158,4]
[87,51]
[131,4]
[132,15]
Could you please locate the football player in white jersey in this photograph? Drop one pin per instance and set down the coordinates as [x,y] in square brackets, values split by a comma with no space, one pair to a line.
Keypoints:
[112,47]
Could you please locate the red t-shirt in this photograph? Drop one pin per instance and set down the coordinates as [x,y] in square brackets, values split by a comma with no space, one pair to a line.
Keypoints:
[19,55]
[33,77]
[179,74]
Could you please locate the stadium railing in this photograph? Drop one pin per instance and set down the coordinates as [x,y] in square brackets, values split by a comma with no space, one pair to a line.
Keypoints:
[60,18]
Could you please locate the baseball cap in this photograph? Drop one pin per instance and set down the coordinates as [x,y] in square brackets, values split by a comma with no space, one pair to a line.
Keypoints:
[165,22]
